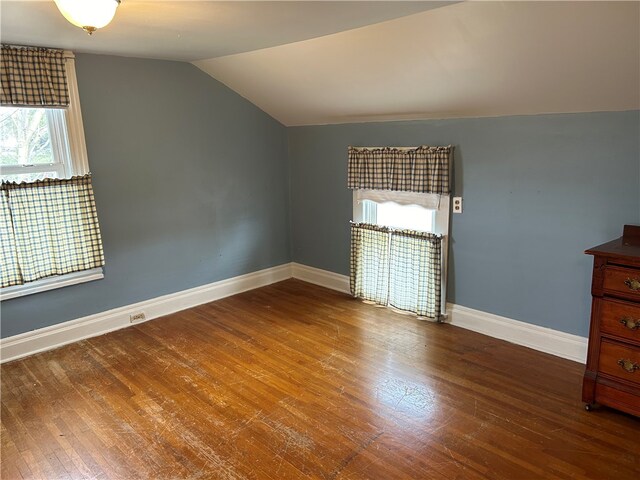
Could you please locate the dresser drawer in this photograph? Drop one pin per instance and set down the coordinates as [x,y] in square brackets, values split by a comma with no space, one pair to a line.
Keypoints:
[621,319]
[624,281]
[620,360]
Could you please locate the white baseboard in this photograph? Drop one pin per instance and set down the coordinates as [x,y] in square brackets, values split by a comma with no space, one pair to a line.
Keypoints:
[47,338]
[547,340]
[331,280]
[555,342]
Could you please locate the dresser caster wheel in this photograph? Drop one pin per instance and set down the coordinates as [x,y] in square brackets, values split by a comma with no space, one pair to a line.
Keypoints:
[588,407]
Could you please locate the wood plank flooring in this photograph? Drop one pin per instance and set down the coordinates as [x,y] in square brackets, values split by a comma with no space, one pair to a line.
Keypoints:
[295,381]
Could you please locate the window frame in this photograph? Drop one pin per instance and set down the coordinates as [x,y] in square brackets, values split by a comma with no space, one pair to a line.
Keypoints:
[77,164]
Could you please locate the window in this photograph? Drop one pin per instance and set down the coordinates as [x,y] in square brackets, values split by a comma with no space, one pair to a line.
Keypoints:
[33,144]
[391,214]
[38,143]
[401,226]
[402,210]
[423,212]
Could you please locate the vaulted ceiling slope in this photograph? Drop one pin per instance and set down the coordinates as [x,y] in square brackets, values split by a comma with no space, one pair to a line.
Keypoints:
[335,62]
[193,30]
[465,59]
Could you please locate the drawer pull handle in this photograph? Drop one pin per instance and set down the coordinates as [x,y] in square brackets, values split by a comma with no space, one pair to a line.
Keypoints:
[628,365]
[633,284]
[630,323]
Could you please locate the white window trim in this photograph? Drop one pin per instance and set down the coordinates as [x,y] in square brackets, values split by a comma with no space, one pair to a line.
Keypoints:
[77,148]
[75,126]
[59,143]
[441,224]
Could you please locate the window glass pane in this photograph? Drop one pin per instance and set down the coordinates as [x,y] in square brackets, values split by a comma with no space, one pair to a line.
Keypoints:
[25,137]
[369,209]
[413,217]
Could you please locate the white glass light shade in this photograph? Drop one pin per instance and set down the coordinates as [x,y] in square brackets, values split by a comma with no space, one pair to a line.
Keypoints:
[88,14]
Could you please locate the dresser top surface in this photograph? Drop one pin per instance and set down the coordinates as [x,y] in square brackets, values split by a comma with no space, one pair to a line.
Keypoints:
[617,249]
[627,247]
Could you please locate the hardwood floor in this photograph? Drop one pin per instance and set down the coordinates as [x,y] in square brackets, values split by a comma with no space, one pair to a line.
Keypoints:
[295,381]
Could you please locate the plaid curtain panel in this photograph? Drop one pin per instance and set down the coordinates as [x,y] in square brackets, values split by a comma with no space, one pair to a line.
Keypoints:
[33,76]
[415,272]
[55,227]
[9,269]
[369,278]
[423,169]
[398,268]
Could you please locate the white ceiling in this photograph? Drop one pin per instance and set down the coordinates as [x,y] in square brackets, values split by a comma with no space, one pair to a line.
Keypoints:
[466,59]
[192,30]
[336,62]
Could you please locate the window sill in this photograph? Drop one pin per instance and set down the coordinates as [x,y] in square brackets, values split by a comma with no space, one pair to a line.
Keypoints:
[50,283]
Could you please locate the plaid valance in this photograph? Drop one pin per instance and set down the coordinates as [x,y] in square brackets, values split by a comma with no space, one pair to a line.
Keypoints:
[423,169]
[49,227]
[33,76]
[398,268]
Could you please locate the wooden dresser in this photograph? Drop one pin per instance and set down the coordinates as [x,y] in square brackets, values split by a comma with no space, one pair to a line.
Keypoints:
[612,376]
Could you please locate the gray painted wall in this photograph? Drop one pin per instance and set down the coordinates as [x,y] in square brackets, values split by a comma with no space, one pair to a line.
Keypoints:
[538,190]
[191,185]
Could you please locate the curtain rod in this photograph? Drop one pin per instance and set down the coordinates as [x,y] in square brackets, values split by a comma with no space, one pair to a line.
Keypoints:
[404,148]
[67,53]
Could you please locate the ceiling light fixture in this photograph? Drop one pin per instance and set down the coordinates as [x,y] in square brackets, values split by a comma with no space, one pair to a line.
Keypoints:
[88,14]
